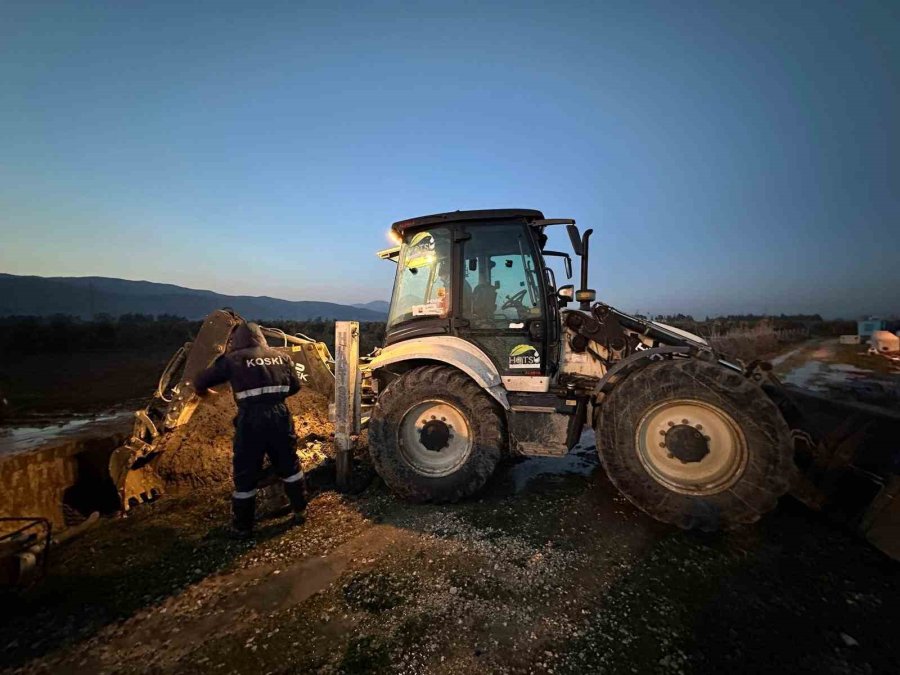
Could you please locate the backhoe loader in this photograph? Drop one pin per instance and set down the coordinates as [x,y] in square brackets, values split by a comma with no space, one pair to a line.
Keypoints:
[483,357]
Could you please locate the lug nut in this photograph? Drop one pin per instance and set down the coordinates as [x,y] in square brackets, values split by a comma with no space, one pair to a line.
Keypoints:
[684,421]
[662,445]
[699,427]
[443,419]
[671,424]
[662,432]
[670,456]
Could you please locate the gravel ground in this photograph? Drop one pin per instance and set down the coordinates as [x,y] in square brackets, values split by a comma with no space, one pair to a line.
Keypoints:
[560,575]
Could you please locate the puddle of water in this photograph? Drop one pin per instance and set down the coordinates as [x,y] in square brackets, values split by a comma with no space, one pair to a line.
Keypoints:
[581,461]
[820,376]
[803,376]
[15,439]
[778,360]
[852,370]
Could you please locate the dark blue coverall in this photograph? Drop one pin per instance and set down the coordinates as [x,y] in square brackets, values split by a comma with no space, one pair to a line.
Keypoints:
[261,378]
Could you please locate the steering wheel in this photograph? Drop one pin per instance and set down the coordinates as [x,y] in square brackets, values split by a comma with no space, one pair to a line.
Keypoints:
[515,301]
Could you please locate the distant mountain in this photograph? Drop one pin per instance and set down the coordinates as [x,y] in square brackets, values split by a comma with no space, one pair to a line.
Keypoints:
[87,296]
[376,306]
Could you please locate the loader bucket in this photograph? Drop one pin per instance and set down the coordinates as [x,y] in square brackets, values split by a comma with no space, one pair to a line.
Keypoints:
[852,469]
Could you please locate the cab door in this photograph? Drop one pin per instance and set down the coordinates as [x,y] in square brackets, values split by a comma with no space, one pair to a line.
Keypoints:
[501,306]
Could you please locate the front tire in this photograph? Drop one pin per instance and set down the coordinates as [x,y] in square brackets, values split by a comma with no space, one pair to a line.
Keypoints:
[695,444]
[435,435]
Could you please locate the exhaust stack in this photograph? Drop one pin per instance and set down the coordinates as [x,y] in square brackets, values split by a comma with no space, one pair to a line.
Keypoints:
[585,296]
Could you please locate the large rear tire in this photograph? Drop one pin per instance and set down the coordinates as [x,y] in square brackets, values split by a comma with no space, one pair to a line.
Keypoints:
[435,435]
[695,444]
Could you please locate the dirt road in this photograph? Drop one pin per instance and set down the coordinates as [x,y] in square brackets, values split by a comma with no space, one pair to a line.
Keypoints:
[550,571]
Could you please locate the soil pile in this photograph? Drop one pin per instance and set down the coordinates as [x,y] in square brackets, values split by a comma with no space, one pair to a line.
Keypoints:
[199,453]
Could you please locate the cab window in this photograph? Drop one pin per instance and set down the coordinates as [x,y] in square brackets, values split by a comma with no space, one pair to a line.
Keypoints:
[422,286]
[501,287]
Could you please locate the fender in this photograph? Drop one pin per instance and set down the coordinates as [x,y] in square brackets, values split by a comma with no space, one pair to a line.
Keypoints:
[453,351]
[641,358]
[635,361]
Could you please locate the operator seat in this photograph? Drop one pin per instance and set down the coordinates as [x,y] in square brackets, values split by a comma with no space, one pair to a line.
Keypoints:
[484,302]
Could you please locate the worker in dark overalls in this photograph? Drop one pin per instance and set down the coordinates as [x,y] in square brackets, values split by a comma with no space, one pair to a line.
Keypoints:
[261,378]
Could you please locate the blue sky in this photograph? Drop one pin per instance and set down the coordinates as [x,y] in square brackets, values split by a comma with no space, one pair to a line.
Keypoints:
[731,157]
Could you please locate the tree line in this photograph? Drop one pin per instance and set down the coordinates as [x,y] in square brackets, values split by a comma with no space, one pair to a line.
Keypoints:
[810,324]
[69,334]
[66,334]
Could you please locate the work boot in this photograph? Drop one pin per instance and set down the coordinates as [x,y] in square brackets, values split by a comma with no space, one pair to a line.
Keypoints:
[296,493]
[242,511]
[239,535]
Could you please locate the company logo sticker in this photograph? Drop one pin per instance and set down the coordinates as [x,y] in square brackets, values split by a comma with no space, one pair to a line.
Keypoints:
[524,357]
[421,251]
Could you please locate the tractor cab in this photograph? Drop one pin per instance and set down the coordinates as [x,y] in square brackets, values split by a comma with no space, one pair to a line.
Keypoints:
[481,276]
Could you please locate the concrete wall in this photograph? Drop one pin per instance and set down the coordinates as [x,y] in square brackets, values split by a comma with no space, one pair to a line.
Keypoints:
[72,471]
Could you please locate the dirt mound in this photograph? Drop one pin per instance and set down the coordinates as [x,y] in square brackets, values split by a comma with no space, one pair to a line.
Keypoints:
[199,453]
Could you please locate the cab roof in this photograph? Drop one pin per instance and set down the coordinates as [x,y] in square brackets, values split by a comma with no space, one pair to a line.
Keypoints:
[457,216]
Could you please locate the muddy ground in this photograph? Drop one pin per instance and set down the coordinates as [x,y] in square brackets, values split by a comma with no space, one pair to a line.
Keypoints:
[561,575]
[549,570]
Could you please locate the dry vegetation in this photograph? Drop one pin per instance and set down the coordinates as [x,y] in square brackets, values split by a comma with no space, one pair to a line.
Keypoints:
[762,341]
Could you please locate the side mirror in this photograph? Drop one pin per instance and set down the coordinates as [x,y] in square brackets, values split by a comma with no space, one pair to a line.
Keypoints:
[567,260]
[575,238]
[565,294]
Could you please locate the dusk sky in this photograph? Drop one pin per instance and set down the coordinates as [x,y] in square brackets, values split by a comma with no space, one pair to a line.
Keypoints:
[731,157]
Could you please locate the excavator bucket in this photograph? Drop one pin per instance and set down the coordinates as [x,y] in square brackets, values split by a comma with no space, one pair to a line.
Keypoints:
[133,465]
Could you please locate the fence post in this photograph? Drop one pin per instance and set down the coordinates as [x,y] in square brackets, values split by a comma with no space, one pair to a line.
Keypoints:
[346,396]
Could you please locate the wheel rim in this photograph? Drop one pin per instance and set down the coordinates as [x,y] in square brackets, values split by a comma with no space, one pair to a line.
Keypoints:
[691,446]
[435,438]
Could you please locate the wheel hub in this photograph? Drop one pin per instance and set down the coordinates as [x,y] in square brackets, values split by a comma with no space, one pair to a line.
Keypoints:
[435,435]
[691,446]
[686,443]
[435,438]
